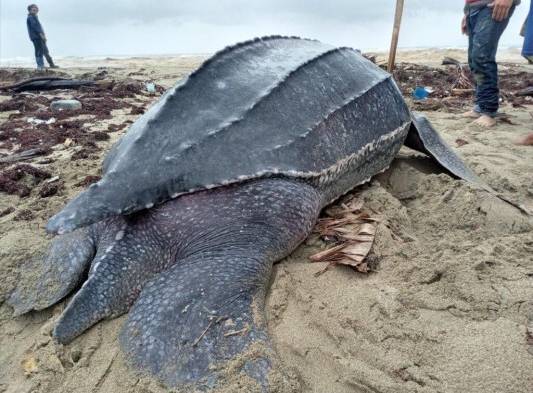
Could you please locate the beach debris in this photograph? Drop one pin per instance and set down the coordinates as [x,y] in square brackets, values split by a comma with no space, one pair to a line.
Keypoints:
[87,181]
[20,179]
[421,93]
[7,211]
[150,87]
[50,189]
[84,153]
[24,215]
[528,91]
[369,57]
[128,88]
[409,75]
[13,75]
[12,105]
[24,82]
[33,128]
[100,136]
[462,92]
[116,127]
[29,365]
[60,105]
[461,142]
[453,87]
[137,110]
[450,61]
[24,155]
[52,179]
[35,121]
[98,76]
[22,136]
[352,233]
[140,71]
[23,103]
[47,83]
[463,81]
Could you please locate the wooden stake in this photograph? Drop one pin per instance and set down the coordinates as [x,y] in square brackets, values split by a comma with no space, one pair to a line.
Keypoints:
[395,34]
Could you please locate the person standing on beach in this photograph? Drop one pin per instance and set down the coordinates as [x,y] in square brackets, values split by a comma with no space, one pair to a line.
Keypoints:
[527,52]
[484,23]
[527,33]
[37,36]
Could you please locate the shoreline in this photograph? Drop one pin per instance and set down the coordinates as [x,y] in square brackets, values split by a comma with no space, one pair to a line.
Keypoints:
[511,54]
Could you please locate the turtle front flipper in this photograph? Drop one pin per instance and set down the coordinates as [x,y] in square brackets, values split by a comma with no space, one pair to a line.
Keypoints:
[200,324]
[129,253]
[48,279]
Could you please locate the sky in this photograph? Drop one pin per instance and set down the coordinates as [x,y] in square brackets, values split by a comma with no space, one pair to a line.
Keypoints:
[151,27]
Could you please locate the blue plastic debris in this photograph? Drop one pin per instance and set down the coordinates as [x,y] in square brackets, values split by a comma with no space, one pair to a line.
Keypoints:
[420,93]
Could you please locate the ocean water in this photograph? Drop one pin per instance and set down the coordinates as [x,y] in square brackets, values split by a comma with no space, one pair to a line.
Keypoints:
[89,61]
[504,54]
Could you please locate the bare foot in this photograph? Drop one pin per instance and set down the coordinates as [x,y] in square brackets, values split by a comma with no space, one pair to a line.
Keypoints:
[472,114]
[527,141]
[485,121]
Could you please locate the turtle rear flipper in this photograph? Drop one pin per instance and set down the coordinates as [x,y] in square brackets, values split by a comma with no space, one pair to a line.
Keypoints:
[48,279]
[424,138]
[199,319]
[202,321]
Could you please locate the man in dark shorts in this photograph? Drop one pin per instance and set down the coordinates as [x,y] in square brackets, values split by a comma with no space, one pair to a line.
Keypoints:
[37,36]
[484,23]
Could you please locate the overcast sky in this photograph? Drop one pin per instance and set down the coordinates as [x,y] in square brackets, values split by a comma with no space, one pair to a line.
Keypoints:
[141,27]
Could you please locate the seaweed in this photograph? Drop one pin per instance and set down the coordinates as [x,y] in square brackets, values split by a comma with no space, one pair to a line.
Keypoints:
[87,181]
[24,215]
[50,189]
[12,180]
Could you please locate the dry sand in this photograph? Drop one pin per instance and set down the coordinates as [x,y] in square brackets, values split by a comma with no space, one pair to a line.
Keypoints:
[445,311]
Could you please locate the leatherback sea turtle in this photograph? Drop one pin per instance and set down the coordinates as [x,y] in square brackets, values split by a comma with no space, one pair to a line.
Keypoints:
[221,178]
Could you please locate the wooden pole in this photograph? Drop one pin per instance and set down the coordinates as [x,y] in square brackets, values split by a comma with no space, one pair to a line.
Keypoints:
[395,34]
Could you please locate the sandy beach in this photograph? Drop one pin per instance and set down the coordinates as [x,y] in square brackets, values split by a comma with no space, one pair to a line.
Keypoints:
[445,309]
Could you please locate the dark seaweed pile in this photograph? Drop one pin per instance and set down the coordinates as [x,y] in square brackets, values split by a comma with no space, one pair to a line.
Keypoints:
[18,134]
[26,131]
[20,179]
[450,92]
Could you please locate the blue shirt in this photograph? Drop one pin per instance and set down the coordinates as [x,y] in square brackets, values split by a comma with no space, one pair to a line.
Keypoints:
[34,27]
